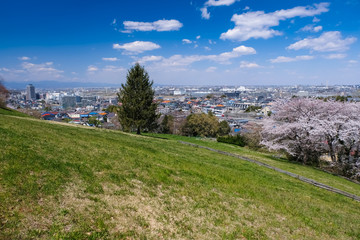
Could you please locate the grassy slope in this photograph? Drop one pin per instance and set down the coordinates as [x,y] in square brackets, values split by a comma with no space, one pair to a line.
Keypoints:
[65,182]
[269,158]
[11,112]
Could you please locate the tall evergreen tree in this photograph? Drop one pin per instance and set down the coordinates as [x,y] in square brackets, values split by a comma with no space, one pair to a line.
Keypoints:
[137,110]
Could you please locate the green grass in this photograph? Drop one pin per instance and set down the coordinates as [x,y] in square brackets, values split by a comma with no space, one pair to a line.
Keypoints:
[271,159]
[11,112]
[66,182]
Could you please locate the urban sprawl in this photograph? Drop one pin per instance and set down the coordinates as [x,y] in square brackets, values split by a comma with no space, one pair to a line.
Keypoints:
[237,105]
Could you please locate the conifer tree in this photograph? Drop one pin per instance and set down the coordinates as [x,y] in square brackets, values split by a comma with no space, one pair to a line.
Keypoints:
[137,110]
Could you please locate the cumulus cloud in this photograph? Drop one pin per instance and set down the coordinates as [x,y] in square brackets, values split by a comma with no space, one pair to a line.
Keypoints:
[46,68]
[204,13]
[327,42]
[111,59]
[37,71]
[92,68]
[282,59]
[5,69]
[211,69]
[318,29]
[187,41]
[182,61]
[146,59]
[316,20]
[160,25]
[245,64]
[259,24]
[111,68]
[236,52]
[137,47]
[11,71]
[214,3]
[217,3]
[335,56]
[24,58]
[311,28]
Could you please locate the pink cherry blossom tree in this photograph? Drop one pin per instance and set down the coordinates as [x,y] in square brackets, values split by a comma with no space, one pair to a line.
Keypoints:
[307,128]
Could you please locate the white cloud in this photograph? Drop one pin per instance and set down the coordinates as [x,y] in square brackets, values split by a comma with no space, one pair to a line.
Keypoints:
[92,68]
[311,28]
[182,61]
[207,48]
[149,59]
[40,68]
[327,42]
[160,25]
[211,69]
[316,20]
[111,68]
[34,71]
[204,13]
[335,56]
[318,28]
[258,24]
[5,69]
[217,3]
[24,58]
[353,62]
[111,59]
[107,69]
[245,64]
[282,59]
[137,46]
[214,3]
[12,71]
[236,52]
[179,60]
[198,37]
[187,41]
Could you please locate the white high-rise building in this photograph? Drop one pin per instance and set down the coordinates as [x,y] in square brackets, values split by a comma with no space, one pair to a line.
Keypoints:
[30,92]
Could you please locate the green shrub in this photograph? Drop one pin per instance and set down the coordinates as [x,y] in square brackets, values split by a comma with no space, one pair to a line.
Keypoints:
[236,140]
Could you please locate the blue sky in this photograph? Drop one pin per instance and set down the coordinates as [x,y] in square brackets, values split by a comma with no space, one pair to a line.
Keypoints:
[211,42]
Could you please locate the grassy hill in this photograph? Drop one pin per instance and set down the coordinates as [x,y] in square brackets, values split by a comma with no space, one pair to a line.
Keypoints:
[11,112]
[67,182]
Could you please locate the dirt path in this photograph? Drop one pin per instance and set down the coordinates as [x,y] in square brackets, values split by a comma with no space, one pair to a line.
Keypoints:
[301,178]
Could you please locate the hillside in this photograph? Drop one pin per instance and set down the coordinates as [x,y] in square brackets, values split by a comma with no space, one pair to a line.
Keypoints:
[67,182]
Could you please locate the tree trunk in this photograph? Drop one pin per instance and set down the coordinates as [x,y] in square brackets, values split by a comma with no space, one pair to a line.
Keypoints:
[138,131]
[331,150]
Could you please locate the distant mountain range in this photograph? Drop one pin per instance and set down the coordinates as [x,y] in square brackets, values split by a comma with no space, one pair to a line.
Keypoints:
[57,84]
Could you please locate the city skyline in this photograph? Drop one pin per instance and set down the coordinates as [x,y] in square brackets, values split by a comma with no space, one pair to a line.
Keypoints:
[224,42]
